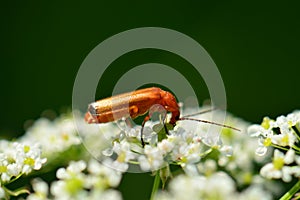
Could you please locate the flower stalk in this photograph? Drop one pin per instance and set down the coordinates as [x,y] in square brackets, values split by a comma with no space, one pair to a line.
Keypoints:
[291,192]
[156,184]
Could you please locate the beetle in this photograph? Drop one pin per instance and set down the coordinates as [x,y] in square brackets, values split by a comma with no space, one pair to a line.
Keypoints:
[137,103]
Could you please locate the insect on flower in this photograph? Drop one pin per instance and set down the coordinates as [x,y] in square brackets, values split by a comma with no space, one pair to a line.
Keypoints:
[137,103]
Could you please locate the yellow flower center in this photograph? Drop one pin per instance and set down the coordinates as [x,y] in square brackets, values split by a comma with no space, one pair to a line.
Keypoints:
[26,149]
[285,140]
[29,161]
[266,123]
[121,158]
[267,142]
[65,136]
[278,163]
[247,177]
[3,169]
[74,185]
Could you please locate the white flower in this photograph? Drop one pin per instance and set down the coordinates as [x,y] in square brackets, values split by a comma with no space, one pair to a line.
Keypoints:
[124,156]
[2,193]
[289,157]
[264,135]
[255,193]
[218,186]
[180,153]
[183,145]
[277,168]
[109,176]
[29,157]
[19,158]
[297,159]
[282,123]
[72,181]
[75,182]
[115,164]
[226,150]
[284,139]
[283,134]
[256,130]
[123,150]
[183,187]
[263,144]
[293,118]
[208,167]
[165,146]
[64,190]
[105,195]
[152,160]
[277,132]
[74,168]
[269,171]
[40,189]
[53,136]
[5,175]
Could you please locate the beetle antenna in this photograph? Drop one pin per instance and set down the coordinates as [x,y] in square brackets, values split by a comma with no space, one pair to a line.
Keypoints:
[201,112]
[209,122]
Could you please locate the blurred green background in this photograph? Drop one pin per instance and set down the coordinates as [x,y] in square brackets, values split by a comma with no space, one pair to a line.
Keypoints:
[255,45]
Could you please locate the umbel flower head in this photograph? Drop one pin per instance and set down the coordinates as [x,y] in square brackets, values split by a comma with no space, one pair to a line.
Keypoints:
[53,136]
[120,146]
[17,159]
[217,186]
[283,134]
[184,145]
[79,180]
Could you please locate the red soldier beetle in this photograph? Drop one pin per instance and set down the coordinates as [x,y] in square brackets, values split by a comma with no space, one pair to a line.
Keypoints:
[138,103]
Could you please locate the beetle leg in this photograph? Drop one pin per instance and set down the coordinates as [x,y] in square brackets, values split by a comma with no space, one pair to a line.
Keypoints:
[175,114]
[166,129]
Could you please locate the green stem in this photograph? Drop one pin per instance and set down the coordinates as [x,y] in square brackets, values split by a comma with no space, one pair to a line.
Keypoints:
[296,148]
[296,131]
[15,193]
[155,185]
[15,178]
[279,147]
[291,192]
[206,152]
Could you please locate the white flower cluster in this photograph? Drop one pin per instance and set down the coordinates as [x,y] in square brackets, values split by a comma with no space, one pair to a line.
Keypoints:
[79,181]
[283,134]
[184,146]
[17,159]
[238,160]
[60,135]
[217,186]
[53,136]
[57,142]
[120,148]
